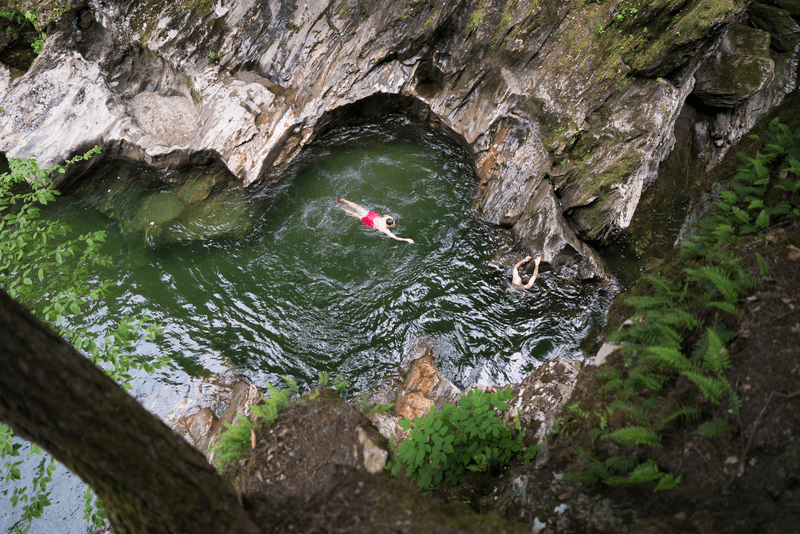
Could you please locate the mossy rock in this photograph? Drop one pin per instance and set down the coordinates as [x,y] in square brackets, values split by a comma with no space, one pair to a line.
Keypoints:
[784,31]
[155,209]
[738,71]
[226,213]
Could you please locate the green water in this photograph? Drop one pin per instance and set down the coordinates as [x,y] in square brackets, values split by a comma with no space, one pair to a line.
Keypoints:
[302,288]
[276,280]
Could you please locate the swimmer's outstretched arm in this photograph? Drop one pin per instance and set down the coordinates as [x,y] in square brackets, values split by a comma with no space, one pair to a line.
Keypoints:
[515,278]
[397,238]
[535,273]
[354,209]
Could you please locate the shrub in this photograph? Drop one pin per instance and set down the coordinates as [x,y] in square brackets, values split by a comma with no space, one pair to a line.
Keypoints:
[469,436]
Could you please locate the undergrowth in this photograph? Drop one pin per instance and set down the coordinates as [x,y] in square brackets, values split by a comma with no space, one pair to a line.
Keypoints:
[446,443]
[237,441]
[682,325]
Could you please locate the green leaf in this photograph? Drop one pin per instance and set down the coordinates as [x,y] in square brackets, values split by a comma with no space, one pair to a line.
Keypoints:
[763,219]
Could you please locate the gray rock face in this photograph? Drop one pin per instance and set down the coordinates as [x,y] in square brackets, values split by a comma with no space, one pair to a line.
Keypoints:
[566,108]
[752,70]
[740,68]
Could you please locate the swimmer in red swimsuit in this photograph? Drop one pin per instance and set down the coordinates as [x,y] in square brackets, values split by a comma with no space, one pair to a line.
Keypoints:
[375,220]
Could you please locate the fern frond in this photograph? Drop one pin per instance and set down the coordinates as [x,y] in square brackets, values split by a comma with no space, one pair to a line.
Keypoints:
[608,372]
[622,463]
[667,482]
[719,279]
[643,474]
[724,306]
[763,264]
[712,388]
[682,411]
[635,435]
[649,302]
[715,428]
[763,219]
[663,286]
[671,357]
[640,378]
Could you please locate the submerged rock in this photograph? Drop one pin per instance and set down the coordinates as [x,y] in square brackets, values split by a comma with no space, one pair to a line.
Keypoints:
[194,204]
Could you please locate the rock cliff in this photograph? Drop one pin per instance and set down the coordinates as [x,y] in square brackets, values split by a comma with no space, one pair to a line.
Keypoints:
[567,108]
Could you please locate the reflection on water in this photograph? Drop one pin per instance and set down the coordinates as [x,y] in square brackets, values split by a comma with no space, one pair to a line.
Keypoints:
[279,281]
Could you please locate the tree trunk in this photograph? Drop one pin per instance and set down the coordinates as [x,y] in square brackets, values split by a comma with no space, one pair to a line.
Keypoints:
[147,477]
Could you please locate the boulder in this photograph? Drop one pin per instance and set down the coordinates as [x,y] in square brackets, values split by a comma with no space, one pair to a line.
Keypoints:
[738,83]
[740,68]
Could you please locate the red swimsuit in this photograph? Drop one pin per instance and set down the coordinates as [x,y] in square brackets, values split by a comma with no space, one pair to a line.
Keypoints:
[369,219]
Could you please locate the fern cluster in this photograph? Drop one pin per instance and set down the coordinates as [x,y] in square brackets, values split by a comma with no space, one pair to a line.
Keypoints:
[677,329]
[470,436]
[235,443]
[746,208]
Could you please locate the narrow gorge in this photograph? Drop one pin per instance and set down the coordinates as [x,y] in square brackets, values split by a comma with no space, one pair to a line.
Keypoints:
[563,119]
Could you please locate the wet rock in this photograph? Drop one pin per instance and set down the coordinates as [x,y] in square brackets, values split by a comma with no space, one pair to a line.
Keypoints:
[541,395]
[424,388]
[193,204]
[538,398]
[198,185]
[154,209]
[200,420]
[226,212]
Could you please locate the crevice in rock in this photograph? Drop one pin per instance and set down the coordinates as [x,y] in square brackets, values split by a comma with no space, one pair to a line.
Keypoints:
[17,53]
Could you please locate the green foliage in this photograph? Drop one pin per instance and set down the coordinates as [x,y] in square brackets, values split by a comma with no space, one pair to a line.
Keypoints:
[635,435]
[367,408]
[38,43]
[477,17]
[31,19]
[470,436]
[93,511]
[235,443]
[715,428]
[51,273]
[677,330]
[339,384]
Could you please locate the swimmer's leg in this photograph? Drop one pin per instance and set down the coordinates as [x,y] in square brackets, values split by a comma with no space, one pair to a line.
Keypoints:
[354,209]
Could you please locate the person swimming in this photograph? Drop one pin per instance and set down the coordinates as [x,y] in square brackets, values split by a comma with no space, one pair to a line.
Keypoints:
[373,219]
[516,279]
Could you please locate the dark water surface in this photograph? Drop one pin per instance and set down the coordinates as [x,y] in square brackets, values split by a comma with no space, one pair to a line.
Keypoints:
[308,289]
[294,286]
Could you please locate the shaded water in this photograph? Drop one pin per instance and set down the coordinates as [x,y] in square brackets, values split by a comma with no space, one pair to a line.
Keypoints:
[293,286]
[308,289]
